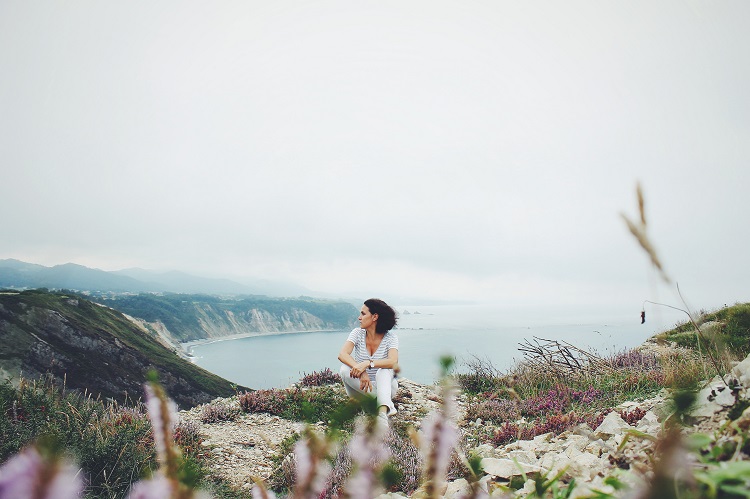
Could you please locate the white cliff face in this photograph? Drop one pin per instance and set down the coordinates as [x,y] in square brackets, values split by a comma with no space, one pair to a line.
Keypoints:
[217,323]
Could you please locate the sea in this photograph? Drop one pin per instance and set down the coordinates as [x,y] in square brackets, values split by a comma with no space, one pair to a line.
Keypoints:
[426,333]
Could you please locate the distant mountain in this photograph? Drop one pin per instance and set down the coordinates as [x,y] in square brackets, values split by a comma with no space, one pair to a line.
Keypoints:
[16,274]
[93,348]
[179,282]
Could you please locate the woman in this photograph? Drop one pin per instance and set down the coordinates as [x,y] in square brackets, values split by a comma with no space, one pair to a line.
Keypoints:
[369,356]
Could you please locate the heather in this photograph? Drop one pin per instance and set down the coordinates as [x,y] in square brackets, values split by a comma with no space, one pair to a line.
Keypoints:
[297,403]
[534,398]
[320,378]
[112,443]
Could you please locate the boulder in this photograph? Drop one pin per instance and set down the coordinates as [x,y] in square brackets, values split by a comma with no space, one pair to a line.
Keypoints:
[742,372]
[712,399]
[523,456]
[598,447]
[457,488]
[484,450]
[554,462]
[578,441]
[613,424]
[507,468]
[585,466]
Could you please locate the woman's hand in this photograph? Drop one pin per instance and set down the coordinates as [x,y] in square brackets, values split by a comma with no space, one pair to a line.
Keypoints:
[358,369]
[364,383]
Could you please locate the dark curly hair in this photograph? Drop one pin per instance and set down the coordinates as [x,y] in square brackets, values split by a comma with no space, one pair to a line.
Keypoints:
[386,315]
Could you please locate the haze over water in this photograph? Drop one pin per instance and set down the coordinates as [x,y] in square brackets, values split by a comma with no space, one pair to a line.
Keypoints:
[426,334]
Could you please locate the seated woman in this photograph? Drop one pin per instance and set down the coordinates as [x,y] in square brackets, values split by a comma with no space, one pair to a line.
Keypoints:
[369,355]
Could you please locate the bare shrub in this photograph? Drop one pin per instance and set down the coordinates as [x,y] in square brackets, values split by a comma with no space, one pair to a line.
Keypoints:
[216,411]
[320,378]
[495,410]
[483,376]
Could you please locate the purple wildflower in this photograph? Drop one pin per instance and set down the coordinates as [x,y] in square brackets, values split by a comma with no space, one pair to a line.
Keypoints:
[368,452]
[440,436]
[311,467]
[158,487]
[30,475]
[261,492]
[162,413]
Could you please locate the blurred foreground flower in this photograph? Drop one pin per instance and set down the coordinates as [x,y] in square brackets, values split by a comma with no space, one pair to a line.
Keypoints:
[166,483]
[368,451]
[39,473]
[310,455]
[439,436]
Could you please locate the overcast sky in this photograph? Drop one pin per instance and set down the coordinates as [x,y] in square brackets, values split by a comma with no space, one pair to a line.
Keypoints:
[446,150]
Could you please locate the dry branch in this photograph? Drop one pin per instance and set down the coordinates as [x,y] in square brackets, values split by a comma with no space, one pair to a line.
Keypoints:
[562,357]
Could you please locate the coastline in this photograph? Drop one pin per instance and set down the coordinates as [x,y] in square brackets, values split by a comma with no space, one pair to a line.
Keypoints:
[188,346]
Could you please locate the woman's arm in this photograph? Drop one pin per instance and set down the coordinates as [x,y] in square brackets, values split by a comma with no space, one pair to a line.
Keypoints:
[388,363]
[345,356]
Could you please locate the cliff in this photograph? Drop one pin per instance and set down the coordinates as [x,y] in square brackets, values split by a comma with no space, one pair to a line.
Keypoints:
[93,348]
[184,318]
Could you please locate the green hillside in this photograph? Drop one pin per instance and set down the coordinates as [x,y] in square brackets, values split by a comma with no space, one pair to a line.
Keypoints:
[93,348]
[192,317]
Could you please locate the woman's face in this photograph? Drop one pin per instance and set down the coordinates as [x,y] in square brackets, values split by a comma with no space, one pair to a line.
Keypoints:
[366,319]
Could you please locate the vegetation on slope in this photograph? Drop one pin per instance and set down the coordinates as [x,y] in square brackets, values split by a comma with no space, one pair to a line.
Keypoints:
[93,348]
[724,329]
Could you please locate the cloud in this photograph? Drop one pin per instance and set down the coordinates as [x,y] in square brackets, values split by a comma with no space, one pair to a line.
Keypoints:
[419,149]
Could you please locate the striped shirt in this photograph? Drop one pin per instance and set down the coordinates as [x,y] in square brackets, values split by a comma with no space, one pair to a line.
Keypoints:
[360,353]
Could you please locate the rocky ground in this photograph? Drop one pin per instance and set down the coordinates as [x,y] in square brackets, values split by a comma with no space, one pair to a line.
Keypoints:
[240,450]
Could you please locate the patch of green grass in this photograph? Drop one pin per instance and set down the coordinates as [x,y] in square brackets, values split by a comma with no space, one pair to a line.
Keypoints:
[732,334]
[113,444]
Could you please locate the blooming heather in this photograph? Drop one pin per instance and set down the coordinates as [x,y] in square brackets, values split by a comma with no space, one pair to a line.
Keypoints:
[156,488]
[311,467]
[31,475]
[162,413]
[440,435]
[368,452]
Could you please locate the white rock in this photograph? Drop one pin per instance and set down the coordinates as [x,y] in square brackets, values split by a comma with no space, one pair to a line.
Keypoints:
[484,450]
[613,424]
[506,468]
[522,445]
[484,482]
[554,462]
[545,437]
[572,452]
[523,456]
[586,466]
[456,489]
[649,418]
[742,372]
[578,441]
[528,488]
[712,399]
[597,447]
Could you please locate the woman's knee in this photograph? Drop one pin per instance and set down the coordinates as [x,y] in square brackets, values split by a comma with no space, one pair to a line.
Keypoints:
[384,376]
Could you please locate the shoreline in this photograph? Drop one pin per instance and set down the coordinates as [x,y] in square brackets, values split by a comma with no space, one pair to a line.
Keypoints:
[188,346]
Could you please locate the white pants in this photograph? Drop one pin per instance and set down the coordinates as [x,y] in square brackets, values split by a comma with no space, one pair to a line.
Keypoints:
[384,386]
